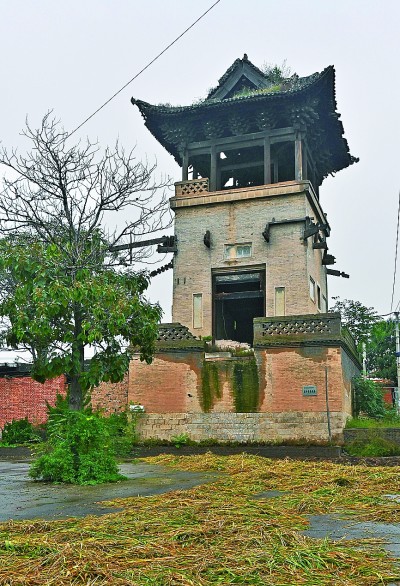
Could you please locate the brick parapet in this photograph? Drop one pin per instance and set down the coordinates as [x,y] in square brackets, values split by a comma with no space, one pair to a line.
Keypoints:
[295,331]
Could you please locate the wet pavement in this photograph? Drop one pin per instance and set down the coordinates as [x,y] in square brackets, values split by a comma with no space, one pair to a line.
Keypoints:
[21,498]
[338,527]
[335,527]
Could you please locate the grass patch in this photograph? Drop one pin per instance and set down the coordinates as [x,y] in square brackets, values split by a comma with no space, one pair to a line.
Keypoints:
[369,423]
[372,445]
[215,534]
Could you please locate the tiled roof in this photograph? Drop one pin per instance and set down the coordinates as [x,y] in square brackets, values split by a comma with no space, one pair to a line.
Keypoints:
[172,126]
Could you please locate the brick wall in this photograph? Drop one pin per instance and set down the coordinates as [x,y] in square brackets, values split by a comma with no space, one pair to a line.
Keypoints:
[23,397]
[183,394]
[111,397]
[240,216]
[175,382]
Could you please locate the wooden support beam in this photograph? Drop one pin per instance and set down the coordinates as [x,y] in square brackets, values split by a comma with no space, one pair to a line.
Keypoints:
[298,159]
[185,165]
[239,295]
[213,168]
[267,160]
[246,140]
[304,161]
[224,166]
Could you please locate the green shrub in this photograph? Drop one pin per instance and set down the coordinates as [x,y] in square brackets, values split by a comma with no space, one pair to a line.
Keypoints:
[79,448]
[122,429]
[372,445]
[19,431]
[368,398]
[181,440]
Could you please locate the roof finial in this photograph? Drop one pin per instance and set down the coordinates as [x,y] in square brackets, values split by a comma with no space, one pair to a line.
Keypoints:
[245,58]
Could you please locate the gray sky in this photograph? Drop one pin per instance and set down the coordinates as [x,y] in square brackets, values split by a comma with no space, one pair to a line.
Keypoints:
[72,56]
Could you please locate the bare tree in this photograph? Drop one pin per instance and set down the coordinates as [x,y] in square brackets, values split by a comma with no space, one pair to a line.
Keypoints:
[63,195]
[61,288]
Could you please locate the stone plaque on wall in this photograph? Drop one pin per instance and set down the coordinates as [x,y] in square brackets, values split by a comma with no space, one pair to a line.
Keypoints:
[309,391]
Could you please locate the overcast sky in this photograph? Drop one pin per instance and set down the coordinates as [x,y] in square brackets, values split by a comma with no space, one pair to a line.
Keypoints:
[72,56]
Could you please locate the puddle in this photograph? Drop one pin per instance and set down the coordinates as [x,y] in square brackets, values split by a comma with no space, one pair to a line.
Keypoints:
[334,527]
[269,494]
[21,498]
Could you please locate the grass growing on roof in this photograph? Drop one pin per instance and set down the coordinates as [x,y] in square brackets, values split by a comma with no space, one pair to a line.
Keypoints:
[215,533]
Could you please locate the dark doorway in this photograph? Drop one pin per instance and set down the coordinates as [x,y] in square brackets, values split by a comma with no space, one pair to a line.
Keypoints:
[238,299]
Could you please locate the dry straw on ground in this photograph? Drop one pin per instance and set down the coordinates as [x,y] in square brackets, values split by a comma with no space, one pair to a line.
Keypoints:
[216,533]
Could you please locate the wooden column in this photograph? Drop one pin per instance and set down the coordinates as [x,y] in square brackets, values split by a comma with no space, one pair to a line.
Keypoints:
[298,158]
[267,161]
[185,165]
[305,160]
[213,168]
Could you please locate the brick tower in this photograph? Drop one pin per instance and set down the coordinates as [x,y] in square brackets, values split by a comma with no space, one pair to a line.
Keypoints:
[250,231]
[250,265]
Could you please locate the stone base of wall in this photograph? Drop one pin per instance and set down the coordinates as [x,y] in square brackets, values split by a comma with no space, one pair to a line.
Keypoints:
[243,427]
[391,434]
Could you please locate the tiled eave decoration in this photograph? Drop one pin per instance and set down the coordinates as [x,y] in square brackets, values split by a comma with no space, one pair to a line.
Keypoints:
[175,336]
[308,105]
[304,330]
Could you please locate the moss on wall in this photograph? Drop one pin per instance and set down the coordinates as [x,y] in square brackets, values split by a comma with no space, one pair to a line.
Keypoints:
[210,385]
[245,385]
[242,378]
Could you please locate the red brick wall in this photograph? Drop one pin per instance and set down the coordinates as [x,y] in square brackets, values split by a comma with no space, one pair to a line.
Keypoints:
[111,397]
[288,370]
[23,397]
[169,384]
[173,382]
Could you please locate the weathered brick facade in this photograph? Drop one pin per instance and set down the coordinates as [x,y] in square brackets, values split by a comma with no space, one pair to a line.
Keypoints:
[258,397]
[240,216]
[22,397]
[111,397]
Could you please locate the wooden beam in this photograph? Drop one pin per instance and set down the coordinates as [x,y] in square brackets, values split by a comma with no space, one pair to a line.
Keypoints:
[267,160]
[245,140]
[224,166]
[213,168]
[240,295]
[298,159]
[185,165]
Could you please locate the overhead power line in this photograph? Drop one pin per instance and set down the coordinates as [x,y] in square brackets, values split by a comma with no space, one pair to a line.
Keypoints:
[145,67]
[395,256]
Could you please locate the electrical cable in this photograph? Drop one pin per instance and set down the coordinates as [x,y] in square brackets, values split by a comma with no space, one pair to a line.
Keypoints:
[145,67]
[395,257]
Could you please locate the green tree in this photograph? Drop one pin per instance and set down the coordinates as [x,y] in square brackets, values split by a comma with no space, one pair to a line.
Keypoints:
[381,350]
[58,311]
[358,318]
[63,287]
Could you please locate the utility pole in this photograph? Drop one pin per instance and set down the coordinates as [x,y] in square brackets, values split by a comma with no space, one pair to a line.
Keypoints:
[396,394]
[364,359]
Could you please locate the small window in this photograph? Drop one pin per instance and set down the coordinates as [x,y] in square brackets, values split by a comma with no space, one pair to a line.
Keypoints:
[238,250]
[280,301]
[319,297]
[312,289]
[198,310]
